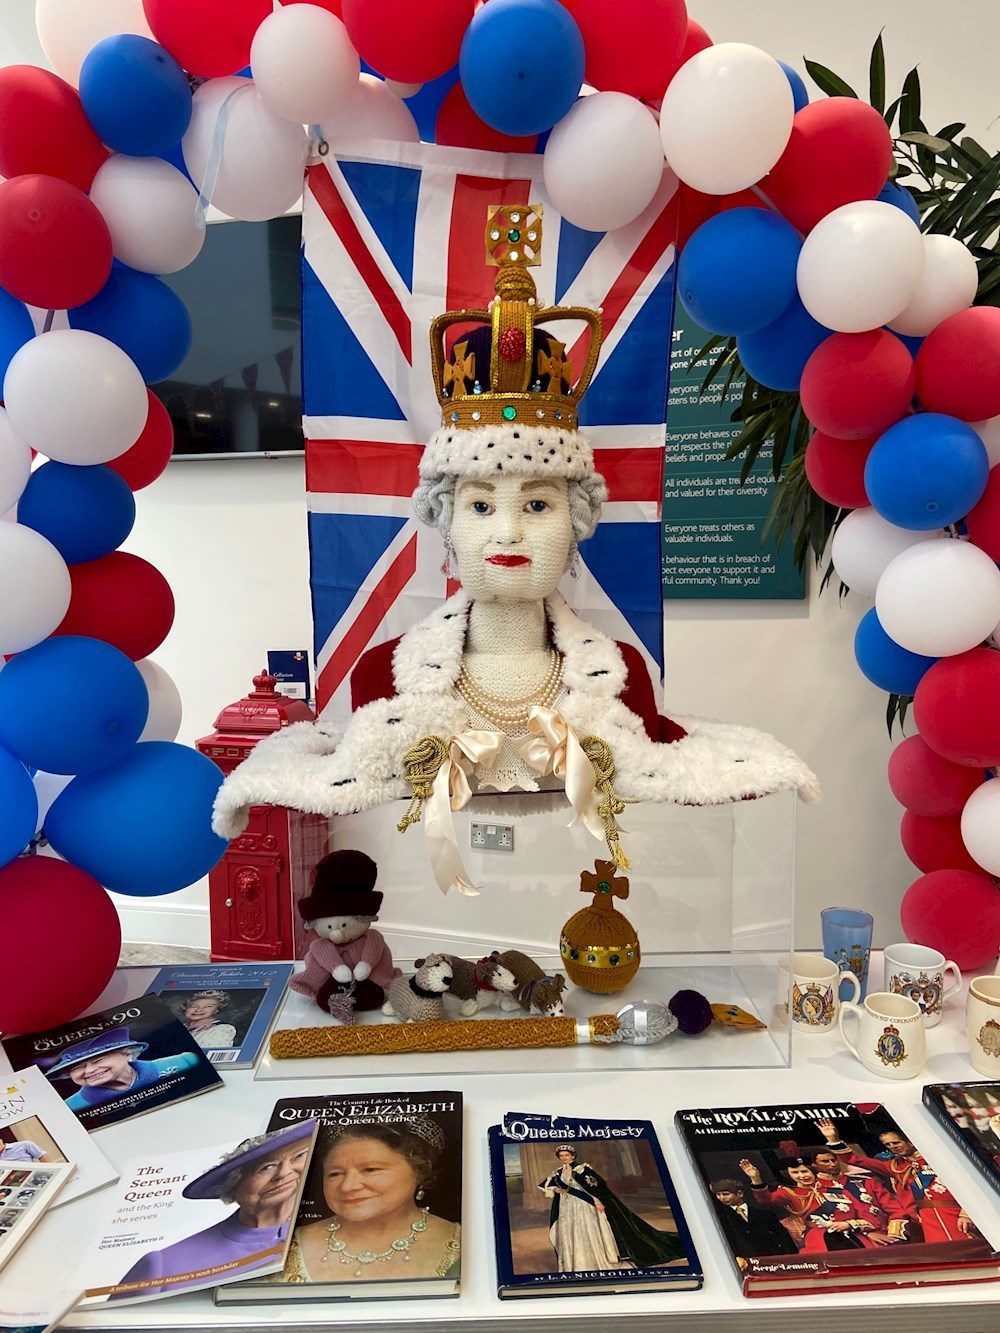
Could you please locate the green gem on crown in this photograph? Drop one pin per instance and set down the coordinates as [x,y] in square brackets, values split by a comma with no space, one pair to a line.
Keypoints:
[604,887]
[509,413]
[513,236]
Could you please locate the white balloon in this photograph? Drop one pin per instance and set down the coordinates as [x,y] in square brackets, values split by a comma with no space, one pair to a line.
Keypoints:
[69,29]
[15,464]
[304,65]
[939,598]
[989,433]
[726,117]
[151,211]
[403,89]
[860,266]
[263,156]
[981,826]
[374,112]
[75,397]
[948,285]
[164,721]
[603,162]
[863,545]
[47,787]
[36,588]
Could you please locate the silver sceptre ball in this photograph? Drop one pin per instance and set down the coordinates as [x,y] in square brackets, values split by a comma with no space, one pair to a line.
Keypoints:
[645,1022]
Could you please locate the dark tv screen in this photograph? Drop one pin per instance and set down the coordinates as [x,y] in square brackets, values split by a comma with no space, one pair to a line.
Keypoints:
[238,391]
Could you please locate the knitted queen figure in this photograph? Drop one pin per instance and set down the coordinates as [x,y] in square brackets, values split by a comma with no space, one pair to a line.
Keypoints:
[504,687]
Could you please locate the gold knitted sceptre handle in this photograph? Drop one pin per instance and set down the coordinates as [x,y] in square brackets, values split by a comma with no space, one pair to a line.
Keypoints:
[460,1035]
[598,751]
[420,767]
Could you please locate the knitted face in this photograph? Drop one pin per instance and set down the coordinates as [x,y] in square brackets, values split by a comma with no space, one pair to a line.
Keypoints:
[512,536]
[341,929]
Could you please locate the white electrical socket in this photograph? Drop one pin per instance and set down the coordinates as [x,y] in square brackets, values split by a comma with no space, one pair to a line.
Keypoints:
[493,837]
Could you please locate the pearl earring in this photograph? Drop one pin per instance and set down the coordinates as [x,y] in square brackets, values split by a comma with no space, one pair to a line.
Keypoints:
[448,564]
[419,1194]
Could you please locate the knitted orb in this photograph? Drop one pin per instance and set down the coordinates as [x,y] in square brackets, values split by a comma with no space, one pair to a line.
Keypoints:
[692,1011]
[598,945]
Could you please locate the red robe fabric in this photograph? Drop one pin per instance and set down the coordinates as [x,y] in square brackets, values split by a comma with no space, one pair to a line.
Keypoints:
[372,679]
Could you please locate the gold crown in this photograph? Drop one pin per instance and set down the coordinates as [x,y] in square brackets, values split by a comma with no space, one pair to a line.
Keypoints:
[528,380]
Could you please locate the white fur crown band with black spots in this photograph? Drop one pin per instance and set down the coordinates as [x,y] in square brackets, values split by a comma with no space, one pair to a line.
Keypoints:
[517,450]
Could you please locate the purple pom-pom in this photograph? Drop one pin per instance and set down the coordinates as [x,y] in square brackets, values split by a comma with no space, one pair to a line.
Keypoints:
[692,1011]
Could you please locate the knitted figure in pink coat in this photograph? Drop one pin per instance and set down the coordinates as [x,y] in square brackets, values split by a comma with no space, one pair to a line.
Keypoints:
[348,953]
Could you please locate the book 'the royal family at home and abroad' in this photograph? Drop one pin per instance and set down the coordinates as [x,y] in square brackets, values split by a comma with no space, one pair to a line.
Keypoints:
[381,1213]
[585,1207]
[36,1127]
[190,1220]
[228,1008]
[118,1063]
[811,1198]
[970,1112]
[27,1191]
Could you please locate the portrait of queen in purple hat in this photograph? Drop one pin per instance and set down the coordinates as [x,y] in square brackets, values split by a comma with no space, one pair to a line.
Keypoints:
[109,1066]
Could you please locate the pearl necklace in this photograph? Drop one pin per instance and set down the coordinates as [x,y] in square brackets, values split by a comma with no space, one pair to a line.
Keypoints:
[400,1245]
[504,712]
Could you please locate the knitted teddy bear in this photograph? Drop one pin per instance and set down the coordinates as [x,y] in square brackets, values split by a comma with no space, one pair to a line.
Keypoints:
[348,966]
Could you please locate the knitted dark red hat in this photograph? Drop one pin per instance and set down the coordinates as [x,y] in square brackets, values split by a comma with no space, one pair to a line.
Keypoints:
[343,882]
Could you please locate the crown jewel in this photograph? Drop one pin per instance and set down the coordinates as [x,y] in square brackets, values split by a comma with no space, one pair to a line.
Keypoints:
[510,370]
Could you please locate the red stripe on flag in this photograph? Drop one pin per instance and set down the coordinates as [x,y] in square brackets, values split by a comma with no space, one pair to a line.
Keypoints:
[470,278]
[362,467]
[645,256]
[361,632]
[631,474]
[320,182]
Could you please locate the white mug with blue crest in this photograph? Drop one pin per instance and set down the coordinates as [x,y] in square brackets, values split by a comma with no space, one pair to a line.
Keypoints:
[891,1039]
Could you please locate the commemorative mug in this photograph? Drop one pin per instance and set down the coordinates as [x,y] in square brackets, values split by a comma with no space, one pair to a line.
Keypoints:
[982,1023]
[847,941]
[813,986]
[891,1038]
[919,973]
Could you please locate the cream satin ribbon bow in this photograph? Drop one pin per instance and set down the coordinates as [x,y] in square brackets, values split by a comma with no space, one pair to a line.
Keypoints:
[450,792]
[552,747]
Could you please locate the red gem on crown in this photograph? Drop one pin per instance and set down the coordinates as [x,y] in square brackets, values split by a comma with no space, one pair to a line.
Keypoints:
[511,345]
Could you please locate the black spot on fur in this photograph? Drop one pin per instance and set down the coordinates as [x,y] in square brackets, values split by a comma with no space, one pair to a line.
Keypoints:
[391,721]
[434,666]
[597,673]
[344,782]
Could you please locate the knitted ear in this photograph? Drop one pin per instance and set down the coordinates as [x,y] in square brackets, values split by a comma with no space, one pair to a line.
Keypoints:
[419,962]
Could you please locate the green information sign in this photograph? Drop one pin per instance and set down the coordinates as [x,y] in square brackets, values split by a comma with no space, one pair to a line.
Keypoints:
[712,525]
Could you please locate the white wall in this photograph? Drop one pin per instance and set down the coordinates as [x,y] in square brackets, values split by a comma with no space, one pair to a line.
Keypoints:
[230,536]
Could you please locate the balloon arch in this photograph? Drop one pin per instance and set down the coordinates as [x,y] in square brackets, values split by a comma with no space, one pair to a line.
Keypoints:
[794,240]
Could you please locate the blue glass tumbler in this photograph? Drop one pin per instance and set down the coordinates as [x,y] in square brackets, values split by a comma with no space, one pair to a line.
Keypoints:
[847,941]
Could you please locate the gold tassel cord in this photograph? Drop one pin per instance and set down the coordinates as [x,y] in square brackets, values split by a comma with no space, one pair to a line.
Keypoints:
[598,751]
[420,767]
[459,1035]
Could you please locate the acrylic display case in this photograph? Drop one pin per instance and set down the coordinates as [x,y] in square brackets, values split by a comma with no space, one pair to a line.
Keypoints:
[711,898]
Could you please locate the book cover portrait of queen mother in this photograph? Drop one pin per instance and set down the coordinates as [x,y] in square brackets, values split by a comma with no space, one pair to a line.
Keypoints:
[504,687]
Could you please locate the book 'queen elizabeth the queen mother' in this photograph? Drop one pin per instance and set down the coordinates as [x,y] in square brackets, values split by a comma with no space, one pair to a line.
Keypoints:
[585,1206]
[836,1195]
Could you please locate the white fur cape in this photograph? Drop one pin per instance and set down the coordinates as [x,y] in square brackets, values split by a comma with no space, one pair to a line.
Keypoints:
[328,770]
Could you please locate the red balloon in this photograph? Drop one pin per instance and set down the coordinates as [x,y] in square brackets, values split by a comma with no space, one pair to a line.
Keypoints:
[208,37]
[688,209]
[406,42]
[458,126]
[634,46]
[958,365]
[741,199]
[857,384]
[121,599]
[45,130]
[927,784]
[983,519]
[72,927]
[957,913]
[835,469]
[936,844]
[697,39]
[334,6]
[957,707]
[55,247]
[840,151]
[148,457]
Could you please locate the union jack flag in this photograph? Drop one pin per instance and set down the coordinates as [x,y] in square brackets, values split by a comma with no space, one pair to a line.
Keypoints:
[390,242]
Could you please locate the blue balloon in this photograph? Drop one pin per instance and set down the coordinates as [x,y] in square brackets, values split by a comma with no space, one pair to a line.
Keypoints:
[900,197]
[776,355]
[136,95]
[800,96]
[85,512]
[926,471]
[175,157]
[737,272]
[885,663]
[143,826]
[142,316]
[522,64]
[16,329]
[71,705]
[19,803]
